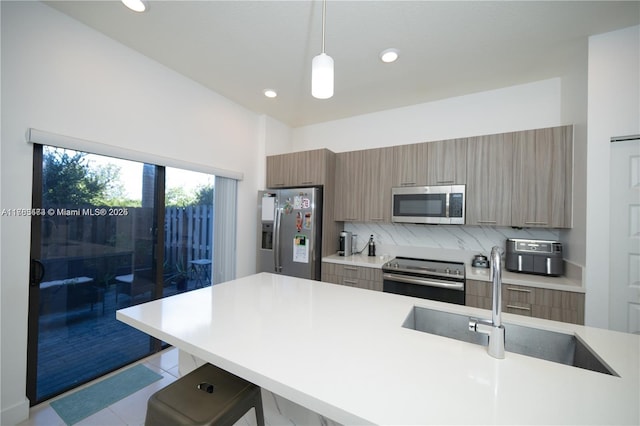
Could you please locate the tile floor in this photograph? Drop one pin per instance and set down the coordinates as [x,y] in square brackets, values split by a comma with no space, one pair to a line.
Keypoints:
[128,411]
[131,410]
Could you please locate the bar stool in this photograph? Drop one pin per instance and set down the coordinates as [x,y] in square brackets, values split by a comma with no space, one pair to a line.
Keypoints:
[206,396]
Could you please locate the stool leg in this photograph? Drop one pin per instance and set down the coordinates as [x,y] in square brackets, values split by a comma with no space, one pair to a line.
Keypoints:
[259,409]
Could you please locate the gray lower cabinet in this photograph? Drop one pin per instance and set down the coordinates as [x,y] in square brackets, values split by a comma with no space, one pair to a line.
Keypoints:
[353,276]
[557,305]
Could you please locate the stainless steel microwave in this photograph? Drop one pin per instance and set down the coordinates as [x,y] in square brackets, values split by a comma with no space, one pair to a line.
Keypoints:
[442,204]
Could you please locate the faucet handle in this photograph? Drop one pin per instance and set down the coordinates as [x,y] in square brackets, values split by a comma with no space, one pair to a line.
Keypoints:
[479,325]
[473,324]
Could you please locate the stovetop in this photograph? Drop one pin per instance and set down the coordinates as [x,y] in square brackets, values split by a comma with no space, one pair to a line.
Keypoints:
[425,267]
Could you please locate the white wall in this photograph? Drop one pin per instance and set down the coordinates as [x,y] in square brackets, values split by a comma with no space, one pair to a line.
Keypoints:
[527,106]
[275,139]
[63,77]
[614,110]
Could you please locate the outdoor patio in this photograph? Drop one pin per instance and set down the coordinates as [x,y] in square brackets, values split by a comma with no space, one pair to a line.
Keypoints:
[85,341]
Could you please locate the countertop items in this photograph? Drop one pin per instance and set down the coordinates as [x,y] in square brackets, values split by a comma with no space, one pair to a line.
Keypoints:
[343,353]
[358,260]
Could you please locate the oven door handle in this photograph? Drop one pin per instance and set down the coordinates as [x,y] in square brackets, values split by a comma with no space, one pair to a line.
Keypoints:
[424,281]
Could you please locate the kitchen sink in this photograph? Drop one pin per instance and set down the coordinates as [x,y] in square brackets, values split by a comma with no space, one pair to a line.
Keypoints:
[562,348]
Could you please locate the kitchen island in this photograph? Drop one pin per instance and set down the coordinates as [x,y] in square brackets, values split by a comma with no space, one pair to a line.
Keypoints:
[343,353]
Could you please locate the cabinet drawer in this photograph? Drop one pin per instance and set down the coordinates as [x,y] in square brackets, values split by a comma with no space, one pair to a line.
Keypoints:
[351,282]
[518,308]
[347,271]
[518,299]
[353,276]
[513,294]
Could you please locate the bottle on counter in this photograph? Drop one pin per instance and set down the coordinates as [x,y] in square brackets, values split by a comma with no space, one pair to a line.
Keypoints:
[372,246]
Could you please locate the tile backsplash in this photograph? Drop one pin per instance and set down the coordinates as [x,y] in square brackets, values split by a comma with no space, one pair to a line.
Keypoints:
[446,242]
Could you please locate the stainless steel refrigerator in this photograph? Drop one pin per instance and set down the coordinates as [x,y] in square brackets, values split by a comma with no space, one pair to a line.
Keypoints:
[290,232]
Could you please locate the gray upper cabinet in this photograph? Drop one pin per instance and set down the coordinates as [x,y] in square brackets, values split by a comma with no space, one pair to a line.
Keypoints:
[279,170]
[489,180]
[378,165]
[446,162]
[409,165]
[430,163]
[542,178]
[520,179]
[305,168]
[349,205]
[363,185]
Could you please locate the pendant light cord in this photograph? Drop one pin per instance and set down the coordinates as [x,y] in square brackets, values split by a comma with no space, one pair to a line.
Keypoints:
[324,13]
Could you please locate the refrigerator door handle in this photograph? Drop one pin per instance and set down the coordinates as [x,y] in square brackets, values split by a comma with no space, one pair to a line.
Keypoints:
[276,246]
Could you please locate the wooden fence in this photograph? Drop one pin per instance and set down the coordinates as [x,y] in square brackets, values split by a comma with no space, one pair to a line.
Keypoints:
[108,245]
[188,234]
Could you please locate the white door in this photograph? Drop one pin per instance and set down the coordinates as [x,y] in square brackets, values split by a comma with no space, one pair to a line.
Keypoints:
[625,236]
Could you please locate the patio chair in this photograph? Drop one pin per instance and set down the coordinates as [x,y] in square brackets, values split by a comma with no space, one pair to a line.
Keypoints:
[135,284]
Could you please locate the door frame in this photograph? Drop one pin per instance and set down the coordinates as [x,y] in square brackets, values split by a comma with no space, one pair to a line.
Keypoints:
[620,293]
[34,291]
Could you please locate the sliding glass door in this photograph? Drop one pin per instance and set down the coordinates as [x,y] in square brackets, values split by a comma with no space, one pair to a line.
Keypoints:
[96,247]
[94,250]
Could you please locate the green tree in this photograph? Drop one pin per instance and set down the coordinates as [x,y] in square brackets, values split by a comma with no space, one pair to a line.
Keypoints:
[69,180]
[178,197]
[204,194]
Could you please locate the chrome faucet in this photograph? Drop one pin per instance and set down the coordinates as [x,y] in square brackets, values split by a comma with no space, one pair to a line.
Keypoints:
[493,328]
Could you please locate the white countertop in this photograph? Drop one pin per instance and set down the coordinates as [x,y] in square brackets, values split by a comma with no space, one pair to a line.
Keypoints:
[341,352]
[358,260]
[531,280]
[480,274]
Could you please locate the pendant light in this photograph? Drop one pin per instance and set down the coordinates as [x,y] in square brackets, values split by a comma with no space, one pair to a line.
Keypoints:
[322,68]
[136,5]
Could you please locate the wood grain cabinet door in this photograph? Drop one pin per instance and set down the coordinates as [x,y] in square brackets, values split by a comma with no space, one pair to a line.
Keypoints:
[278,171]
[378,164]
[352,276]
[349,186]
[556,305]
[447,162]
[489,180]
[410,165]
[542,190]
[304,168]
[309,167]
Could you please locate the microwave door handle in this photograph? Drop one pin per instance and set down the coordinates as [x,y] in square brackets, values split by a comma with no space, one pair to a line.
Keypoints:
[446,208]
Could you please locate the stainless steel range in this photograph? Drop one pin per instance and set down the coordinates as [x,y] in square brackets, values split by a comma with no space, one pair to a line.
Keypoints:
[427,279]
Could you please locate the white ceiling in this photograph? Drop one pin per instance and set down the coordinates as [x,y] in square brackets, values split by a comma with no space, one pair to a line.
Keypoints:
[448,48]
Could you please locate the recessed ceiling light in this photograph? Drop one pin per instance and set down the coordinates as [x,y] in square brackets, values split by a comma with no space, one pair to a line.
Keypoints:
[270,93]
[389,55]
[135,5]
